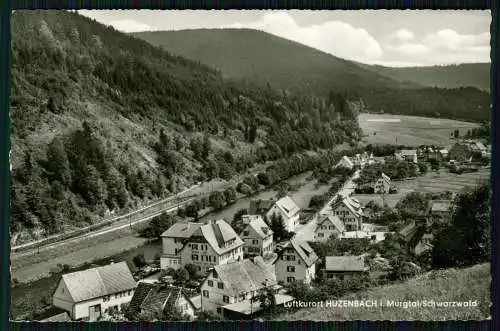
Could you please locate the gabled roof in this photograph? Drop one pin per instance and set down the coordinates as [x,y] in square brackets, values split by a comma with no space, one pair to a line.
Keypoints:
[181,230]
[346,161]
[345,263]
[61,317]
[217,234]
[53,314]
[97,282]
[258,206]
[332,219]
[155,297]
[441,205]
[352,204]
[305,251]
[260,227]
[386,178]
[288,206]
[245,276]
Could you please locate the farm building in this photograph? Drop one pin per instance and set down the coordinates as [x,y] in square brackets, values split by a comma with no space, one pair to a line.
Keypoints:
[87,294]
[160,297]
[439,211]
[344,267]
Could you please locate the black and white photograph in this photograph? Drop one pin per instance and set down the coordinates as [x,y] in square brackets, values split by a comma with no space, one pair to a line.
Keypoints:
[226,165]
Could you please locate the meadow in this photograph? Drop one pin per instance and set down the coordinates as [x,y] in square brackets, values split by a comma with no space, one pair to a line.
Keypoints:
[431,182]
[409,130]
[440,286]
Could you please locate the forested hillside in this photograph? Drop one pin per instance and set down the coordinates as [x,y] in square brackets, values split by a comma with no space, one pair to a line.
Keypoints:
[451,76]
[261,57]
[103,121]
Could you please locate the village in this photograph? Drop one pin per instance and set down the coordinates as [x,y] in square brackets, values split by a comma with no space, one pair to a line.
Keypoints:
[238,270]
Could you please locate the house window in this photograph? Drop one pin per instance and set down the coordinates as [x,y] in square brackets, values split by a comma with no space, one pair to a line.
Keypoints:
[194,246]
[245,233]
[290,268]
[205,293]
[332,227]
[225,298]
[220,285]
[290,279]
[194,257]
[291,258]
[210,283]
[255,242]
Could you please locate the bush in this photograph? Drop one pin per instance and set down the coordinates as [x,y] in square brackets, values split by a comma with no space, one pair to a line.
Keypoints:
[139,260]
[264,179]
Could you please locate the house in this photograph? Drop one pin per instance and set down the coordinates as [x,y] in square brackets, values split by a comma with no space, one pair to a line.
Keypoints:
[173,240]
[349,211]
[260,207]
[86,294]
[296,262]
[257,236]
[382,185]
[235,282]
[328,225]
[409,155]
[439,211]
[424,244]
[344,267]
[289,212]
[214,243]
[158,298]
[345,162]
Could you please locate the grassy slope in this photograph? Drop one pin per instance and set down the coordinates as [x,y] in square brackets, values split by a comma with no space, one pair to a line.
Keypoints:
[451,76]
[451,285]
[242,53]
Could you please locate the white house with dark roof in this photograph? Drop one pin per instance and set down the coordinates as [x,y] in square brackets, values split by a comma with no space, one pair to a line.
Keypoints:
[257,236]
[235,282]
[212,244]
[296,262]
[328,225]
[289,212]
[382,185]
[173,240]
[344,267]
[87,294]
[349,211]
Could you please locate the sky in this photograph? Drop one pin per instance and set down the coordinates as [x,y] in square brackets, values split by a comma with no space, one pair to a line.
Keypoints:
[394,38]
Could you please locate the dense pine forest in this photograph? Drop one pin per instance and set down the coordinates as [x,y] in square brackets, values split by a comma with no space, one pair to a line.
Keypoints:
[102,121]
[461,91]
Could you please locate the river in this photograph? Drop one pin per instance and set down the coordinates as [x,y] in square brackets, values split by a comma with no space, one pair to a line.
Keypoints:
[26,293]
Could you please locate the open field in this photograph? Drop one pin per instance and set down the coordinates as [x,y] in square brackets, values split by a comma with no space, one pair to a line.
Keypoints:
[432,182]
[409,130]
[451,285]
